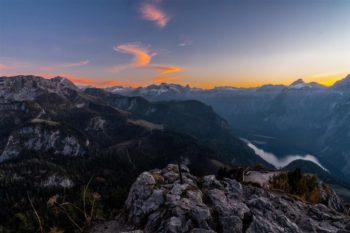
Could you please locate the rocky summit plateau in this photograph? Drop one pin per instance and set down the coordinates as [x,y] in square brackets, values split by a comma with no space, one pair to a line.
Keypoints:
[162,200]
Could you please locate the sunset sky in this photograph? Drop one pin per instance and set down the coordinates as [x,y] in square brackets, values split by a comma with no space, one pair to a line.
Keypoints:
[204,43]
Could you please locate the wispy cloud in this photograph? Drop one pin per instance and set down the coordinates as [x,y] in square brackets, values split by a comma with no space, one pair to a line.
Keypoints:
[80,63]
[143,58]
[185,41]
[5,67]
[151,11]
[51,68]
[168,69]
[142,55]
[166,73]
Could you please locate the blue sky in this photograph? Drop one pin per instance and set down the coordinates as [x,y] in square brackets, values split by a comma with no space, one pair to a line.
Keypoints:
[203,43]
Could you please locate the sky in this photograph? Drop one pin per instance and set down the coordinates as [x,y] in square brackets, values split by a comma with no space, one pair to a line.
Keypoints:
[203,43]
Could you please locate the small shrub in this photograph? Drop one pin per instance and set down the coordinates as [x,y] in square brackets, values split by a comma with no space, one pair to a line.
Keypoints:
[25,225]
[55,230]
[304,186]
[232,173]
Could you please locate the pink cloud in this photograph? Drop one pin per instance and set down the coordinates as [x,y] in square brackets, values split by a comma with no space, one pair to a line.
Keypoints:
[83,80]
[152,12]
[80,63]
[51,68]
[5,67]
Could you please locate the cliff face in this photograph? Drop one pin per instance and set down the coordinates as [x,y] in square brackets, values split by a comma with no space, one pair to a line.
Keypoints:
[159,202]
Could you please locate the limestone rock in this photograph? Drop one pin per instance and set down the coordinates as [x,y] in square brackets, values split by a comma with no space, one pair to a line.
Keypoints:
[159,203]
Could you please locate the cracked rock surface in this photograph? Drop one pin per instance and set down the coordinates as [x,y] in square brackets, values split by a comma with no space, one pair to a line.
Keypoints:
[159,202]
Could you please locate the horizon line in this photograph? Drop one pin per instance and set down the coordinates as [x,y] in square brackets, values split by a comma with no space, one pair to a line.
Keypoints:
[77,82]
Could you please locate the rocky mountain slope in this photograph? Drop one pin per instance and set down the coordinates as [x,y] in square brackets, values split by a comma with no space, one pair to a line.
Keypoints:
[159,202]
[56,138]
[190,117]
[53,115]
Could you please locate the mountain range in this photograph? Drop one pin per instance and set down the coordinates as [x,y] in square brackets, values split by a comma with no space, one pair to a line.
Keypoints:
[60,142]
[309,117]
[37,113]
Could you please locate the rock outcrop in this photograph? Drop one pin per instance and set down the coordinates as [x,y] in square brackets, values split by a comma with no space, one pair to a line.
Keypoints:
[43,136]
[159,202]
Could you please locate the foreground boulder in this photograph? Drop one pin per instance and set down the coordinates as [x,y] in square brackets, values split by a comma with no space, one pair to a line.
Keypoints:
[159,202]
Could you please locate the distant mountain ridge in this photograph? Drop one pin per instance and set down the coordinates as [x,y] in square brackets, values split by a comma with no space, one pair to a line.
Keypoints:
[177,89]
[305,115]
[342,84]
[300,84]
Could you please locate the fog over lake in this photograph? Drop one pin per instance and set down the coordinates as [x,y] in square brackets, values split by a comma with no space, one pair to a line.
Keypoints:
[282,162]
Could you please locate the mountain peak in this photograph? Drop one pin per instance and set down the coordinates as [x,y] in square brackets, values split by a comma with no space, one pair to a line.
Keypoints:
[29,87]
[60,79]
[297,82]
[64,82]
[343,83]
[300,84]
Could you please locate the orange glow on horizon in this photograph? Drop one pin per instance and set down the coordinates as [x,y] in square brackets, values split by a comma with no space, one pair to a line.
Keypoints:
[167,79]
[86,81]
[327,80]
